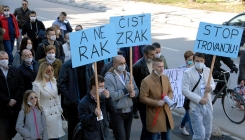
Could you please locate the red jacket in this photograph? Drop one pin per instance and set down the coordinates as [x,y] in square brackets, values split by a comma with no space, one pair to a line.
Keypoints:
[4,25]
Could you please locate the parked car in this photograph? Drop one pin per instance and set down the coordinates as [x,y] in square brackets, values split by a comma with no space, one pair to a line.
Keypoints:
[239,21]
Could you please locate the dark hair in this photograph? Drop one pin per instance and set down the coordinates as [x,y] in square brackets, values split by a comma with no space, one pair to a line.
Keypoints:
[187,54]
[32,12]
[119,53]
[157,45]
[63,13]
[5,6]
[25,1]
[23,45]
[92,81]
[198,55]
[157,60]
[79,26]
[148,48]
[48,30]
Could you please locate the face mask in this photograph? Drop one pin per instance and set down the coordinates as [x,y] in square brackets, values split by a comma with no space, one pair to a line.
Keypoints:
[158,55]
[6,13]
[100,90]
[33,18]
[4,63]
[51,56]
[121,68]
[68,41]
[157,73]
[58,31]
[149,60]
[53,37]
[28,60]
[189,62]
[29,103]
[29,47]
[199,65]
[46,76]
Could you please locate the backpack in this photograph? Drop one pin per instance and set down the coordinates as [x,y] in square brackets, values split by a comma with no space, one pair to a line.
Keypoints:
[78,133]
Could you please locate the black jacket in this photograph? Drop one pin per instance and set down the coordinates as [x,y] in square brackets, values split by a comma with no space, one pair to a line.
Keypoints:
[217,63]
[11,88]
[41,50]
[91,127]
[28,74]
[22,17]
[140,71]
[32,29]
[106,68]
[68,82]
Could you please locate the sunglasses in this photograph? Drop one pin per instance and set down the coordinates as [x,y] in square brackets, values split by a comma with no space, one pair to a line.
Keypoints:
[6,10]
[24,4]
[32,98]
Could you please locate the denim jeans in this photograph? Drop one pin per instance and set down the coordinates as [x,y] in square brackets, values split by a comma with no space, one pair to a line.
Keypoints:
[164,135]
[121,125]
[9,47]
[186,119]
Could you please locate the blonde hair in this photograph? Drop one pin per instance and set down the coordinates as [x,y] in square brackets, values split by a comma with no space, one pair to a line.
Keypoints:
[50,47]
[55,28]
[25,106]
[41,72]
[1,9]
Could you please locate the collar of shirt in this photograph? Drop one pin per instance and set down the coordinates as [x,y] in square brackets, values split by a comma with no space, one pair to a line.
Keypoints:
[4,69]
[93,98]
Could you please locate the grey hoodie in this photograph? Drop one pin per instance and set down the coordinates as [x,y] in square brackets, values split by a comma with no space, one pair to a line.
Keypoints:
[118,90]
[26,125]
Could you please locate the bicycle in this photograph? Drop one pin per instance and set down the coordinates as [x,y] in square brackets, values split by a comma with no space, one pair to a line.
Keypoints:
[231,101]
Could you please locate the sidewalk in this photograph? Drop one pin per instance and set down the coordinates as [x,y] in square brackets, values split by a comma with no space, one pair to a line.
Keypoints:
[175,134]
[160,13]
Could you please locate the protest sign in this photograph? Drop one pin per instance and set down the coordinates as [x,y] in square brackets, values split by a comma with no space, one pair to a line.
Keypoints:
[175,78]
[132,30]
[218,40]
[91,45]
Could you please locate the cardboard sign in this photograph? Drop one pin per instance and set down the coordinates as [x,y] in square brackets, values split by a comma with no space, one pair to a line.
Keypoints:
[175,78]
[218,40]
[91,45]
[132,30]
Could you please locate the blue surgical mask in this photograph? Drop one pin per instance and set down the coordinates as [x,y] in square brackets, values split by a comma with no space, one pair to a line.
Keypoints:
[190,62]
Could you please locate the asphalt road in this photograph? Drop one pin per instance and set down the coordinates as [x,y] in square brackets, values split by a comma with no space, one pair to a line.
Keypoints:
[175,40]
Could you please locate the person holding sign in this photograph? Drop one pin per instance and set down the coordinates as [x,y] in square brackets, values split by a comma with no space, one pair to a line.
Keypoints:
[87,111]
[196,78]
[151,90]
[117,81]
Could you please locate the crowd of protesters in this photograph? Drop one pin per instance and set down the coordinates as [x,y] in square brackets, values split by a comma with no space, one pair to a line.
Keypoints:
[38,85]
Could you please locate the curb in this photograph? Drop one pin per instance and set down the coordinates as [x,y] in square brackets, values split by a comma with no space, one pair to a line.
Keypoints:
[85,5]
[227,133]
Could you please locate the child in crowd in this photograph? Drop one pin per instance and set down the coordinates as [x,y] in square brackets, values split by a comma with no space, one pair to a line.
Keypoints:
[31,122]
[240,89]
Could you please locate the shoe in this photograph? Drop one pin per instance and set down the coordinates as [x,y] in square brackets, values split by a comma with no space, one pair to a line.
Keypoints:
[136,115]
[184,131]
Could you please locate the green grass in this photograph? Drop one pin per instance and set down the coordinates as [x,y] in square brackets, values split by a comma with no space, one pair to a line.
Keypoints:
[210,5]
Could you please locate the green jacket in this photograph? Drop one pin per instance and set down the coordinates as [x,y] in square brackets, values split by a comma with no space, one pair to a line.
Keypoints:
[165,62]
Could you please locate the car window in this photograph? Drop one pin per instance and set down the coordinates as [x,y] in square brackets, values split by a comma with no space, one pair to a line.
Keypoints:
[237,21]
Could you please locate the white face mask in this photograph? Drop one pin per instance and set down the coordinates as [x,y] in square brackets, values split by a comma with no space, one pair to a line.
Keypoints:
[157,73]
[68,41]
[58,31]
[100,90]
[149,60]
[158,55]
[199,65]
[121,68]
[46,76]
[29,103]
[53,37]
[51,56]
[6,13]
[29,47]
[33,18]
[4,63]
[28,60]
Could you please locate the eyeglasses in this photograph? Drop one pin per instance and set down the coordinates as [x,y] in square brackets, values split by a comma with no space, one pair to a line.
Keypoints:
[6,10]
[32,98]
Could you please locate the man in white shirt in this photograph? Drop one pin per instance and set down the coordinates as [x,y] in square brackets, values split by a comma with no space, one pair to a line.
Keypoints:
[11,94]
[66,48]
[201,110]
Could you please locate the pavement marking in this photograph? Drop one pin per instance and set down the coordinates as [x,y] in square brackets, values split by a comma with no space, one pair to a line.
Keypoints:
[41,17]
[170,49]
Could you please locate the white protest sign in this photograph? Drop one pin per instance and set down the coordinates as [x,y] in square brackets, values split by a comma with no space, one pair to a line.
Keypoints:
[175,78]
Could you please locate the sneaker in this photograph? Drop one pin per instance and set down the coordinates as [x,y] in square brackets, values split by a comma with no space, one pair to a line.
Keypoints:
[184,131]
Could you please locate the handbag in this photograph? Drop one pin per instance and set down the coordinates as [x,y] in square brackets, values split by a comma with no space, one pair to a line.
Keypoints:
[186,104]
[64,123]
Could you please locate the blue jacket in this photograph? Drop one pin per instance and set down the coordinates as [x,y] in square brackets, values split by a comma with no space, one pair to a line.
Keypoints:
[68,83]
[65,23]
